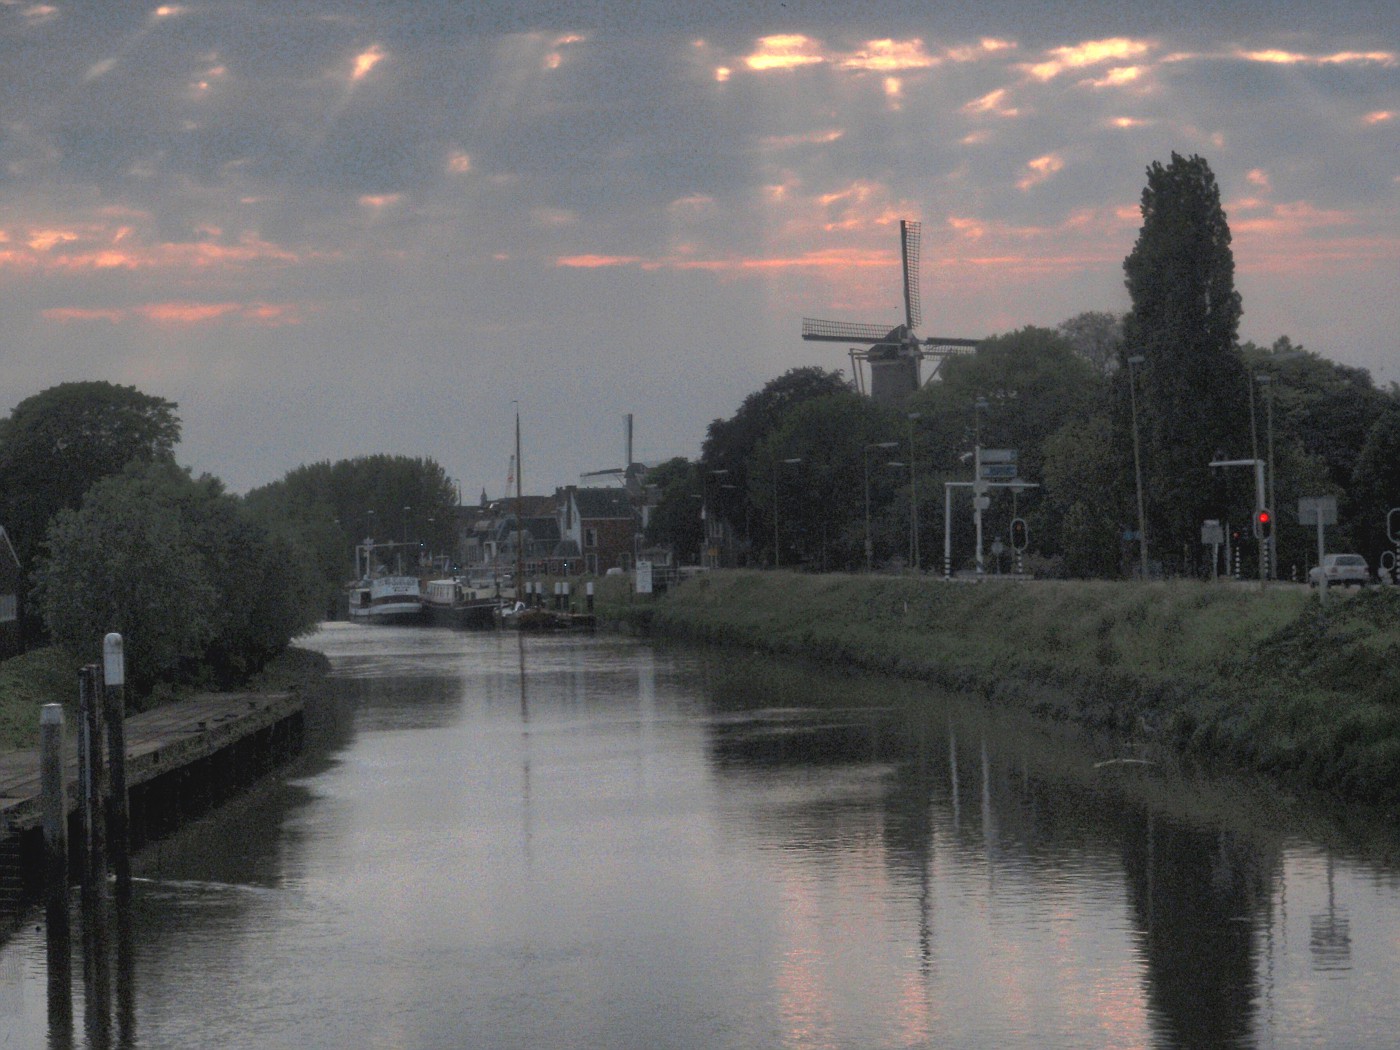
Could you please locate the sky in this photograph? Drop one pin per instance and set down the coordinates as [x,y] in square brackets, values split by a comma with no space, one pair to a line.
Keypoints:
[330,229]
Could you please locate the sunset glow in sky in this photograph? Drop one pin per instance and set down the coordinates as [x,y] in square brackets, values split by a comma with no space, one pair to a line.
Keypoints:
[331,229]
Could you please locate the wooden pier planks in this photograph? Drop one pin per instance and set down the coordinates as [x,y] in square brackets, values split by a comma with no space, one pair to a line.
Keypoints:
[157,741]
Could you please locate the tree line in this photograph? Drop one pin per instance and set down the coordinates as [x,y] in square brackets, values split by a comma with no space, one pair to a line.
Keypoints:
[204,586]
[794,470]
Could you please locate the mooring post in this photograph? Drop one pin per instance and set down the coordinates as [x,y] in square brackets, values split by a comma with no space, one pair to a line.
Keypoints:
[588,595]
[118,815]
[95,804]
[53,788]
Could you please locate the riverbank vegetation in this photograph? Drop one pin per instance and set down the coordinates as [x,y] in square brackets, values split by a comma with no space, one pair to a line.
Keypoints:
[112,535]
[807,472]
[1273,682]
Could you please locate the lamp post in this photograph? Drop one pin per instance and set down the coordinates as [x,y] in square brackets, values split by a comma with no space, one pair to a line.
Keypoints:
[1266,380]
[869,544]
[978,486]
[1133,362]
[777,554]
[705,514]
[913,497]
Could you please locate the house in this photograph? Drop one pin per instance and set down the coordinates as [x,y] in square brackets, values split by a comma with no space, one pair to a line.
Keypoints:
[601,525]
[11,582]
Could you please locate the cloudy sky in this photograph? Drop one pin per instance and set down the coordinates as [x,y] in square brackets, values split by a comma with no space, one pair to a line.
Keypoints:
[329,229]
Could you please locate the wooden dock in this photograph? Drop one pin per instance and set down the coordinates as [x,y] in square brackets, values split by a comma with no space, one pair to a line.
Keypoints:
[172,738]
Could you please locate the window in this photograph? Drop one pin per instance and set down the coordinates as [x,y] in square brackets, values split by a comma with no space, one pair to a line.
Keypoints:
[590,537]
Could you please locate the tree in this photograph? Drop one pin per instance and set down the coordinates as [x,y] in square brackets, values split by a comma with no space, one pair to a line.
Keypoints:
[1376,485]
[675,519]
[127,562]
[1183,323]
[1083,469]
[57,443]
[1032,383]
[334,506]
[821,500]
[730,443]
[1097,336]
[196,587]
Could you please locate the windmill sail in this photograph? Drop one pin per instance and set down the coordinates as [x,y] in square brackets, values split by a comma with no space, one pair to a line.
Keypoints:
[893,354]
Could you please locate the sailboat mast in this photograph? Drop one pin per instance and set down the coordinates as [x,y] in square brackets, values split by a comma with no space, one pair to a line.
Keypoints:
[519,517]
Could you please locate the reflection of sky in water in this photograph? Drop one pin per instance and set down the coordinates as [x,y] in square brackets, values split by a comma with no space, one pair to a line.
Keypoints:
[655,848]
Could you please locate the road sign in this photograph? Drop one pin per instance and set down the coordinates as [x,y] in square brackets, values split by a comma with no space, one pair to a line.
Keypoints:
[997,455]
[981,502]
[1317,510]
[998,471]
[644,577]
[1211,532]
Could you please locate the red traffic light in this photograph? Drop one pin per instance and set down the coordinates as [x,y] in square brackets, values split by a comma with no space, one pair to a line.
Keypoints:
[1263,524]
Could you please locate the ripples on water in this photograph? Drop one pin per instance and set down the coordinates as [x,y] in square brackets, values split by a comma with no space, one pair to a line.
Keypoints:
[501,841]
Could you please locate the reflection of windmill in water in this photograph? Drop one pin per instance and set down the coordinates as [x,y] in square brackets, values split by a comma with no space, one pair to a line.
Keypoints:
[892,354]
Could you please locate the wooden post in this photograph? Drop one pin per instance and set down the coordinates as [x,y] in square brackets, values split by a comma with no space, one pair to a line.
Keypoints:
[95,804]
[118,815]
[54,792]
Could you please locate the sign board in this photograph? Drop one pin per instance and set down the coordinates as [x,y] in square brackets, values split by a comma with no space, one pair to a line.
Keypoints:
[997,455]
[1317,510]
[643,577]
[998,471]
[981,502]
[1211,532]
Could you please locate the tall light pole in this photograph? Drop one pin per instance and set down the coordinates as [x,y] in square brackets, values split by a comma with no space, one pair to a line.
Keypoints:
[978,489]
[913,497]
[777,553]
[1267,381]
[705,513]
[1133,362]
[869,545]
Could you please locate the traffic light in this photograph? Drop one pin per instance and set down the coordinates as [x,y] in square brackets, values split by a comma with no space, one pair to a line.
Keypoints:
[1019,533]
[1263,524]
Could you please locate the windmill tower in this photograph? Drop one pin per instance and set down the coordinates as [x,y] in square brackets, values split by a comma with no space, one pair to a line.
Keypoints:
[892,354]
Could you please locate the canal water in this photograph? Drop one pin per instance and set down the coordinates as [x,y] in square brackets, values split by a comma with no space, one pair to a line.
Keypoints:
[506,841]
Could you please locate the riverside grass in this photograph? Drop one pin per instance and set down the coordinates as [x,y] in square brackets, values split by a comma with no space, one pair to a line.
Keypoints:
[1272,681]
[50,676]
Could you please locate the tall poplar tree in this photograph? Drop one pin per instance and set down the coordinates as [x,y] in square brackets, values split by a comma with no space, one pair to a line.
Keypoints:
[1193,388]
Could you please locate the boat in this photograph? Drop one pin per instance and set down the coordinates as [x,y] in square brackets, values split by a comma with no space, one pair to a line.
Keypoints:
[452,602]
[379,595]
[522,617]
[386,599]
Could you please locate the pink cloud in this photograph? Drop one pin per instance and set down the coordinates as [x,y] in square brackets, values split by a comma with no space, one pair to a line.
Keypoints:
[180,314]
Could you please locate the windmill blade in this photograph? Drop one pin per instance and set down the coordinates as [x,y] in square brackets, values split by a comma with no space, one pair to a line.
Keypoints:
[910,235]
[935,342]
[844,332]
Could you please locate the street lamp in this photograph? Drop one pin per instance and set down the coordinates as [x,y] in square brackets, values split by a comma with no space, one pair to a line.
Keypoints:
[869,545]
[406,511]
[978,487]
[913,497]
[777,554]
[705,513]
[1267,381]
[1138,359]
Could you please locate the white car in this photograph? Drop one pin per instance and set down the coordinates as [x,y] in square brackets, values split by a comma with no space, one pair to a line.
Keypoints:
[1344,570]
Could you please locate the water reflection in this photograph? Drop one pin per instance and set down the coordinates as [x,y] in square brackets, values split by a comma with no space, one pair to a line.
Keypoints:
[513,841]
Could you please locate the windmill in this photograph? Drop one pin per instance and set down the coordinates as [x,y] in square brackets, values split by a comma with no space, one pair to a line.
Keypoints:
[623,473]
[893,354]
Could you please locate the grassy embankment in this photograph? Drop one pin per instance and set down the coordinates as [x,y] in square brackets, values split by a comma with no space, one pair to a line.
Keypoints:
[50,676]
[1273,682]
